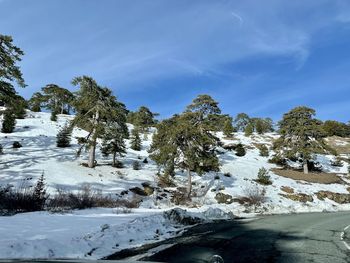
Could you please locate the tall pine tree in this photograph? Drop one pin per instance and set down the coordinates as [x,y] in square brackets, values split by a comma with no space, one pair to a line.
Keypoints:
[135,140]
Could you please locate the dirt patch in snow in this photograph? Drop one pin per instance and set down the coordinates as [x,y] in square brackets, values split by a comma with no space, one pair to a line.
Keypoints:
[341,145]
[321,178]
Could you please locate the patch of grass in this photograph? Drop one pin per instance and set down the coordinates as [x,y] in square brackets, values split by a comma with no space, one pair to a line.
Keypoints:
[321,178]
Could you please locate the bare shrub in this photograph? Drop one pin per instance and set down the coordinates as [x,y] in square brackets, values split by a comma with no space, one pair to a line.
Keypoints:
[87,198]
[254,196]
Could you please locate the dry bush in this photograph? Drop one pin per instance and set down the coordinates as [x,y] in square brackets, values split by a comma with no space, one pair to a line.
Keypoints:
[254,196]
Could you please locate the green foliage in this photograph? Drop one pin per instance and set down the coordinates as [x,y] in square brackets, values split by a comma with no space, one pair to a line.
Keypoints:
[241,121]
[36,101]
[39,193]
[113,141]
[18,106]
[56,98]
[135,140]
[1,149]
[249,129]
[228,128]
[136,165]
[263,177]
[301,134]
[96,108]
[63,137]
[262,125]
[184,141]
[335,128]
[142,119]
[264,151]
[9,121]
[9,71]
[240,150]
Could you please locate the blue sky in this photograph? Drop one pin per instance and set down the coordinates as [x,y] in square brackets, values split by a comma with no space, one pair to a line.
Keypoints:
[259,57]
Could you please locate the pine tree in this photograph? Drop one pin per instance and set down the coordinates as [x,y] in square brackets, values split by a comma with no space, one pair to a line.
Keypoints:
[113,142]
[63,137]
[39,193]
[135,140]
[57,99]
[186,145]
[241,121]
[249,129]
[228,128]
[96,107]
[301,135]
[9,121]
[9,71]
[240,150]
[36,101]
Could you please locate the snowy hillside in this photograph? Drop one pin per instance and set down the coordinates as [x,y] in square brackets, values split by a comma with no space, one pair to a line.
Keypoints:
[99,232]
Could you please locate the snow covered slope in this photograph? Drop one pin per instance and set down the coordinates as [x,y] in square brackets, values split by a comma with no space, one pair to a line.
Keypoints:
[103,231]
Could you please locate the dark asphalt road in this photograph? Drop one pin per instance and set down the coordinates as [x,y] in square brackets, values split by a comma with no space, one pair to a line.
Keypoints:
[314,237]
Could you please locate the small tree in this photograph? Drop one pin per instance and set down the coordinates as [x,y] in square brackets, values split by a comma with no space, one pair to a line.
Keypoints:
[1,149]
[135,140]
[263,177]
[249,129]
[39,193]
[9,122]
[228,128]
[113,142]
[264,151]
[63,137]
[240,150]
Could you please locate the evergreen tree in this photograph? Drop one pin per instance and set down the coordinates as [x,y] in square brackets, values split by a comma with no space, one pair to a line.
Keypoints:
[135,140]
[185,144]
[9,71]
[113,141]
[57,99]
[335,128]
[143,118]
[17,105]
[39,193]
[9,121]
[301,135]
[249,129]
[96,107]
[228,128]
[63,137]
[241,121]
[36,101]
[240,150]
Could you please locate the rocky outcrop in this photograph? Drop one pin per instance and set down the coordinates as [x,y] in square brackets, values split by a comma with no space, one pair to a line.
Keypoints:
[222,198]
[336,197]
[287,189]
[299,197]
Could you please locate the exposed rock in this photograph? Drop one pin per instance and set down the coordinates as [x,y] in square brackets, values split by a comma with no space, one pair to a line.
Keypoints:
[299,197]
[287,189]
[222,198]
[138,191]
[180,216]
[149,190]
[348,189]
[336,197]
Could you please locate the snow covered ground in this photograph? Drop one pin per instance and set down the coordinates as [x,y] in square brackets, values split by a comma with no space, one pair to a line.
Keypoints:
[95,233]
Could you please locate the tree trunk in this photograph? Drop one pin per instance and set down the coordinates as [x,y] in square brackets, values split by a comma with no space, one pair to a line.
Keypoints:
[189,182]
[306,168]
[114,159]
[92,152]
